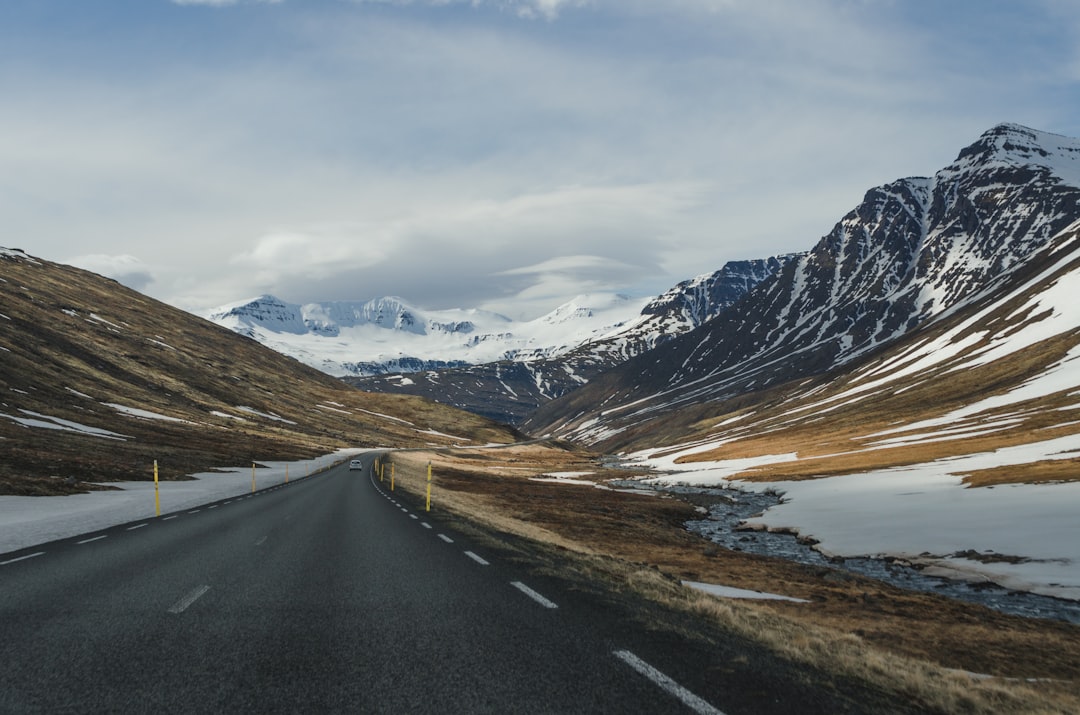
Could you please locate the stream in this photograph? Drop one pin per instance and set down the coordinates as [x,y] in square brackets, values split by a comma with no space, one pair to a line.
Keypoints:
[728,508]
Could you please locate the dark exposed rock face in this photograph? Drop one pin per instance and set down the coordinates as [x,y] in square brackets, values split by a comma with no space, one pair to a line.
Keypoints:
[910,251]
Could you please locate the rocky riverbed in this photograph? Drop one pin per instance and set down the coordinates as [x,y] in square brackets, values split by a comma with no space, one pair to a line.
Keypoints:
[725,510]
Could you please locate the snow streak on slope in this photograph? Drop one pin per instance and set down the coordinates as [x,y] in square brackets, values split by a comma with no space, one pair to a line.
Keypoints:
[912,251]
[931,442]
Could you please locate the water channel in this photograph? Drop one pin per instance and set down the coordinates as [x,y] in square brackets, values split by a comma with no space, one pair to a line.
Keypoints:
[728,508]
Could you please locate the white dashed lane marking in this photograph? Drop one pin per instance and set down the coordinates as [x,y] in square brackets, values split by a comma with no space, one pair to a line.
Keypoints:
[476,558]
[96,538]
[184,603]
[667,684]
[21,558]
[546,603]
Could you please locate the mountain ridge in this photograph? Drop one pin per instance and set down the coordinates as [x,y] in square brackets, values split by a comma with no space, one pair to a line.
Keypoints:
[911,250]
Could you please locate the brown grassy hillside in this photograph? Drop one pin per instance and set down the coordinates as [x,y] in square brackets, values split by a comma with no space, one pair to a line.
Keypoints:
[97,381]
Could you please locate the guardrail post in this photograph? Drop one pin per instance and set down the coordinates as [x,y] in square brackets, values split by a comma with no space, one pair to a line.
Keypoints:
[157,496]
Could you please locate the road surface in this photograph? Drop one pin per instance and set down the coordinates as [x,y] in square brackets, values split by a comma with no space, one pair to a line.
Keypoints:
[332,594]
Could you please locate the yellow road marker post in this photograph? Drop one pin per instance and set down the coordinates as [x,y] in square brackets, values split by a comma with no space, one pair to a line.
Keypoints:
[286,473]
[157,496]
[253,477]
[391,476]
[428,505]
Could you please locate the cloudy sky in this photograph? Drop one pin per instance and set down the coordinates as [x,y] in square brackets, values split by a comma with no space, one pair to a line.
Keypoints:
[505,154]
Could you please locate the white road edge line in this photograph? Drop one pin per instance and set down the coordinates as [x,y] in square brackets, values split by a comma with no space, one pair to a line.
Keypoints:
[21,558]
[96,538]
[446,538]
[260,541]
[185,602]
[533,595]
[170,517]
[137,526]
[476,558]
[667,684]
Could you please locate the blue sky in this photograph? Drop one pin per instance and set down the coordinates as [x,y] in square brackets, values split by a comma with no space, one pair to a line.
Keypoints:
[505,154]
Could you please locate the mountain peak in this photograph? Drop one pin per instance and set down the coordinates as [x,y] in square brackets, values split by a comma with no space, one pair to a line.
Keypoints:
[1017,145]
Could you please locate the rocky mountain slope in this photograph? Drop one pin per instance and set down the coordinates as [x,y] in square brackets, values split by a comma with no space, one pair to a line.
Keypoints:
[913,253]
[509,390]
[98,381]
[908,391]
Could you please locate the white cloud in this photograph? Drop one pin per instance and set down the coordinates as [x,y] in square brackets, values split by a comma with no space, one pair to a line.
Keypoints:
[445,251]
[448,155]
[528,9]
[223,3]
[125,269]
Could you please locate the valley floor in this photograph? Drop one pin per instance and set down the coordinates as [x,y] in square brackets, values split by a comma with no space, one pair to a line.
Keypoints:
[905,642]
[1023,537]
[928,652]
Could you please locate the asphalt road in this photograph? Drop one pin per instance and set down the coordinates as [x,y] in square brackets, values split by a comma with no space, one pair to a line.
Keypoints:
[323,595]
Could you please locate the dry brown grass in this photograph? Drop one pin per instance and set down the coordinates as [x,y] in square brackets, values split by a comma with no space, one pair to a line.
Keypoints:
[1044,472]
[73,343]
[915,646]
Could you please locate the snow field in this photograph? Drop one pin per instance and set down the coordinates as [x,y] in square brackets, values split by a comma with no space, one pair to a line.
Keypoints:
[924,514]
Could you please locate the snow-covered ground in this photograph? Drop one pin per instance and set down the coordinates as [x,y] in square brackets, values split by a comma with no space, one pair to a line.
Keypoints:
[28,521]
[728,592]
[1028,535]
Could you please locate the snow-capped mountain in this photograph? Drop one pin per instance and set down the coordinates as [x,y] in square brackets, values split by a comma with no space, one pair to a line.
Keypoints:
[389,335]
[509,390]
[909,387]
[915,250]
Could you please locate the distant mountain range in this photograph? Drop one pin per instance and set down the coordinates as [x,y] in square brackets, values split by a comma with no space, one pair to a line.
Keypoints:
[510,390]
[389,335]
[482,361]
[619,374]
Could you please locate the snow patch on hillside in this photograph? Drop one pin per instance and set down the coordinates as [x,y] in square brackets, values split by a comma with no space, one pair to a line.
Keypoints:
[924,514]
